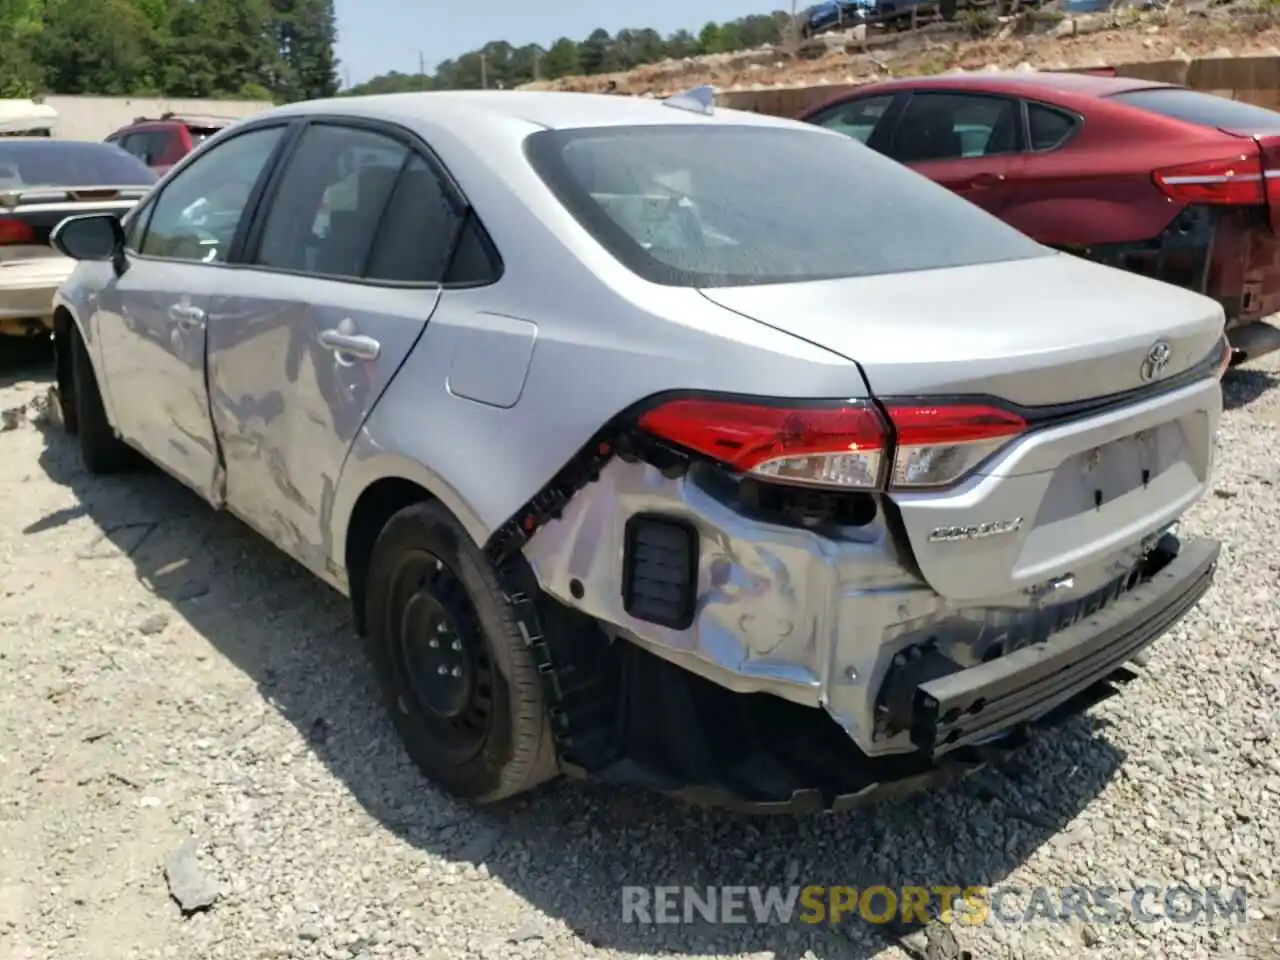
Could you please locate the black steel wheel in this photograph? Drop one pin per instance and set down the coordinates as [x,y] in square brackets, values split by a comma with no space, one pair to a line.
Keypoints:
[441,654]
[457,678]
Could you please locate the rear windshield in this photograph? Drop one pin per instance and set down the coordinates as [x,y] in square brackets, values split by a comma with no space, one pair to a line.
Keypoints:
[1202,109]
[707,206]
[200,134]
[69,163]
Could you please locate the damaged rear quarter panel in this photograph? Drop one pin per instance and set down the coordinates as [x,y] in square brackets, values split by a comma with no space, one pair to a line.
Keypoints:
[591,361]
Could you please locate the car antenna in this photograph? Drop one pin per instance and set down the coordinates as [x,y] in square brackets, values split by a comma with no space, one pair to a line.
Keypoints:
[698,100]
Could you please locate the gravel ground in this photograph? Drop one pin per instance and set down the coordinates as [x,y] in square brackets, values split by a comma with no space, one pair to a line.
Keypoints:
[168,678]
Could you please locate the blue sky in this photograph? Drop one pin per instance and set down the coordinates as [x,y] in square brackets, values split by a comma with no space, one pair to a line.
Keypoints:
[376,36]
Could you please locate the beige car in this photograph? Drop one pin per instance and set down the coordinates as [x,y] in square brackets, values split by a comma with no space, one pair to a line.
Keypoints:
[43,181]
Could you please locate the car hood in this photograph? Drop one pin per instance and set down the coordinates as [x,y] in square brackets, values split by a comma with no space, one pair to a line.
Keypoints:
[1047,330]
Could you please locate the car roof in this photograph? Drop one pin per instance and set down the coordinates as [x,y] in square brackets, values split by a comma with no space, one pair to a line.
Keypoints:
[1075,84]
[59,141]
[554,110]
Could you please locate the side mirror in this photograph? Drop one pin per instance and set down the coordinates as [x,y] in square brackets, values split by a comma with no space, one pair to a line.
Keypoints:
[96,236]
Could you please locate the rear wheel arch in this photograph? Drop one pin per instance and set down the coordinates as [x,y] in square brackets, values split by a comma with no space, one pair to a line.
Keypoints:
[377,503]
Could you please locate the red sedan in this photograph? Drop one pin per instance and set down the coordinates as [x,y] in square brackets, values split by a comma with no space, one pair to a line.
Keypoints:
[1153,178]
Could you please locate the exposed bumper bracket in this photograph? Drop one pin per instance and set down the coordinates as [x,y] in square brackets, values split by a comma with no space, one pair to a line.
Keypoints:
[959,707]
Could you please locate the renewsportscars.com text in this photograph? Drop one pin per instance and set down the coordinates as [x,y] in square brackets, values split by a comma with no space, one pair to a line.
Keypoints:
[972,905]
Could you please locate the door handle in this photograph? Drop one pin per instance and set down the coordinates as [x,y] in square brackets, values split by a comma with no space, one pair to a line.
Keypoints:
[346,345]
[983,181]
[186,315]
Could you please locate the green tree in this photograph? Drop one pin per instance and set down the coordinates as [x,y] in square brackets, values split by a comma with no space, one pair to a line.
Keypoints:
[593,51]
[561,60]
[216,47]
[305,31]
[709,40]
[103,47]
[20,26]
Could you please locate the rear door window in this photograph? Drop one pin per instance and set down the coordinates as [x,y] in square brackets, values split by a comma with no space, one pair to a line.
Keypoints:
[418,231]
[1202,109]
[955,126]
[1050,128]
[858,119]
[330,201]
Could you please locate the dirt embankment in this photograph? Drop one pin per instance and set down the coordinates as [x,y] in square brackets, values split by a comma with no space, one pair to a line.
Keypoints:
[1044,38]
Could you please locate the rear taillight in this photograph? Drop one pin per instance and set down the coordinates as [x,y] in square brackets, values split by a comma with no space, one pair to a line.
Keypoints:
[937,446]
[842,445]
[1235,181]
[827,446]
[15,232]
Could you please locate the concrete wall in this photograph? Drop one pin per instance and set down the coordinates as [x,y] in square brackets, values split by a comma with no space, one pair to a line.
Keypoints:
[92,118]
[1252,79]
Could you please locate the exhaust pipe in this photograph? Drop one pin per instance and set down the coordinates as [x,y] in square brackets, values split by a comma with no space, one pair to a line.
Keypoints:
[1253,340]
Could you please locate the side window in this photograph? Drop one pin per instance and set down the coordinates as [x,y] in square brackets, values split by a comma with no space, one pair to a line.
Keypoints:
[330,201]
[855,118]
[418,231]
[196,216]
[1049,127]
[955,126]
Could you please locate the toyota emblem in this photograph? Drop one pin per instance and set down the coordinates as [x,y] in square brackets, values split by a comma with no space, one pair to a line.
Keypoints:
[1156,360]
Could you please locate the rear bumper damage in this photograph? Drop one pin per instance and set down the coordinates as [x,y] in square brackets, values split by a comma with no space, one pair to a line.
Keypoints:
[946,706]
[815,671]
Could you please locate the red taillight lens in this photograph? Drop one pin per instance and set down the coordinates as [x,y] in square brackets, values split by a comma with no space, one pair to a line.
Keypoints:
[829,446]
[1236,181]
[15,232]
[843,445]
[937,445]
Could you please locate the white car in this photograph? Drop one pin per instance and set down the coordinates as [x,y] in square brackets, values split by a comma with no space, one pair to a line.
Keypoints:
[43,181]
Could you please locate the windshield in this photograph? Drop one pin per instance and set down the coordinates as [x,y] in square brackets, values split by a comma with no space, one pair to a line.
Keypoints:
[69,163]
[707,206]
[1202,109]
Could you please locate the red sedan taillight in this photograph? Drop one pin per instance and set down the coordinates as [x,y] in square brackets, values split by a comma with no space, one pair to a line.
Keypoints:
[1231,181]
[842,445]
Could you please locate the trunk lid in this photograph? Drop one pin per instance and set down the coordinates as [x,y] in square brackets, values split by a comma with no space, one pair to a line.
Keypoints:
[1050,330]
[40,209]
[1072,494]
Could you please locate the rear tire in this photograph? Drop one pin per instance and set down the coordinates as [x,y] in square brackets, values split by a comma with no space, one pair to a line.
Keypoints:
[102,451]
[457,677]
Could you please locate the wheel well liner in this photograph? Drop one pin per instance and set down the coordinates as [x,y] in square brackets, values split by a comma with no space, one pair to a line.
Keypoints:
[381,500]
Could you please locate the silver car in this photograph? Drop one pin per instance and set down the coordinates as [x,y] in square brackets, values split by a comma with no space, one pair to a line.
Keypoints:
[681,447]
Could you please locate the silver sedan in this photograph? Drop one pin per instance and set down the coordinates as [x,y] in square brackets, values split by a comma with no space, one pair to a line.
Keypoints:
[683,447]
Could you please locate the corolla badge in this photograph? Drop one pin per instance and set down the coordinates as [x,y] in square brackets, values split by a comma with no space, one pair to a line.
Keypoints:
[978,531]
[1156,360]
